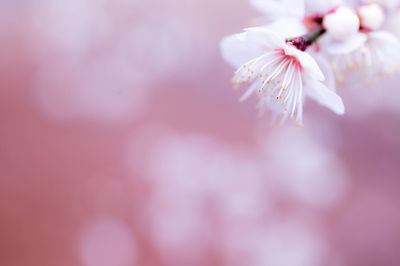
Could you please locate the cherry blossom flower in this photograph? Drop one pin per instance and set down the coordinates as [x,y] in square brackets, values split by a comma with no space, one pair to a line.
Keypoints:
[367,55]
[280,74]
[379,56]
[354,36]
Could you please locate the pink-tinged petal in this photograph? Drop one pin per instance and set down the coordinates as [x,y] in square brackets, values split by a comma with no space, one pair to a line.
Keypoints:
[324,96]
[310,67]
[333,47]
[278,8]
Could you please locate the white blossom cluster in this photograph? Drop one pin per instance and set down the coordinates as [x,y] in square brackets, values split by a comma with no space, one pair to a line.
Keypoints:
[303,47]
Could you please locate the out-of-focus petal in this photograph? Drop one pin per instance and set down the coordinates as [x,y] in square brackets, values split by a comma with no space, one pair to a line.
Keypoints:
[327,70]
[386,37]
[288,27]
[276,8]
[325,97]
[330,46]
[318,6]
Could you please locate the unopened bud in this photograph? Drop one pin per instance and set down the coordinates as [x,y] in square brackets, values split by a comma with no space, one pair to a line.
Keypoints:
[341,23]
[371,16]
[299,42]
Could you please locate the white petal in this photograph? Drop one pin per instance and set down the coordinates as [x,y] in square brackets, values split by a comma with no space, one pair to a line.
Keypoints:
[386,37]
[287,27]
[240,48]
[264,37]
[324,96]
[268,7]
[326,68]
[330,46]
[280,8]
[321,7]
[236,50]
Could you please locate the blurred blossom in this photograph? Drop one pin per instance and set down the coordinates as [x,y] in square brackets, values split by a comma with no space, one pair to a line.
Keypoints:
[376,98]
[159,49]
[305,168]
[104,89]
[204,192]
[97,59]
[290,244]
[108,241]
[74,27]
[193,178]
[288,241]
[84,65]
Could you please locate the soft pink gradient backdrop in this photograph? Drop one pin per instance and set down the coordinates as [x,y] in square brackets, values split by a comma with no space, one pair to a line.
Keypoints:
[122,143]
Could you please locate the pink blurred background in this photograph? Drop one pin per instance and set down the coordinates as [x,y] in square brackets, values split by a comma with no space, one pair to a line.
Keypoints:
[122,143]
